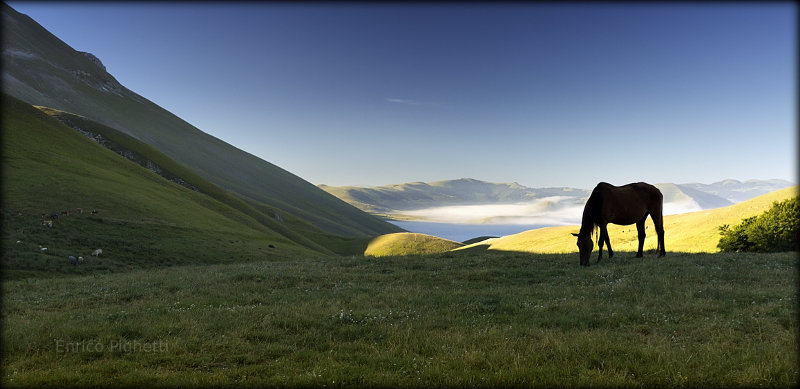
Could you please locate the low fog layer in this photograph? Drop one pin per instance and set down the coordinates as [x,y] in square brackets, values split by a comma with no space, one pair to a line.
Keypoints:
[553,211]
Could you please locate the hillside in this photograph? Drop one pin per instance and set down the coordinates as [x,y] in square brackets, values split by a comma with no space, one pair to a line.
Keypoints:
[143,219]
[40,69]
[690,232]
[287,225]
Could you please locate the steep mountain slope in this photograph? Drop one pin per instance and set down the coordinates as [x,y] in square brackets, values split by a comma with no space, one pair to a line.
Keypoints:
[40,69]
[150,158]
[144,219]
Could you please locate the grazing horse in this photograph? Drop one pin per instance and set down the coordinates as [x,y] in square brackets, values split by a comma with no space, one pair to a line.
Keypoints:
[623,205]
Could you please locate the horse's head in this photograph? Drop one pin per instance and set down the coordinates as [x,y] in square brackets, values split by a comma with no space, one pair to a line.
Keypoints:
[585,246]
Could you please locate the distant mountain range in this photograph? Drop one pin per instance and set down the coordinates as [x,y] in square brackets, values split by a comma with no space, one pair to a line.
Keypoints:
[738,191]
[429,201]
[39,69]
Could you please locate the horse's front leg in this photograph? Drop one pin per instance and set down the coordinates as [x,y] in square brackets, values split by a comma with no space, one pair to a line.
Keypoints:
[600,248]
[603,238]
[640,230]
[608,243]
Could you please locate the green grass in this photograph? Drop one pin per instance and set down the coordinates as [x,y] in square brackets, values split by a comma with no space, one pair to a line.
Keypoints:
[454,319]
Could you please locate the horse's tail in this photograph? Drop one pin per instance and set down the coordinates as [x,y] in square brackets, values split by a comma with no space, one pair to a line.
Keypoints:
[658,219]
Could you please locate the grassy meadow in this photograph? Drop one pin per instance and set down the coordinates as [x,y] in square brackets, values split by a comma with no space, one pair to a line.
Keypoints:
[452,319]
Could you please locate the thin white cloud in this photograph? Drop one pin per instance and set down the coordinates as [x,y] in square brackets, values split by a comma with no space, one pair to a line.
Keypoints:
[410,102]
[403,101]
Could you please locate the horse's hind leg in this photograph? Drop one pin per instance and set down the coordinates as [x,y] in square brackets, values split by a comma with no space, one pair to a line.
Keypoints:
[600,245]
[640,230]
[608,243]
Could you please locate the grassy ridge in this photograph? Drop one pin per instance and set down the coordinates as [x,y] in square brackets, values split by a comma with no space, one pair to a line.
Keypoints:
[144,220]
[490,319]
[693,232]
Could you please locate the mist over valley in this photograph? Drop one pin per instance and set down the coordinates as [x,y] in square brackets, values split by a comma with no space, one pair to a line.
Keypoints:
[466,208]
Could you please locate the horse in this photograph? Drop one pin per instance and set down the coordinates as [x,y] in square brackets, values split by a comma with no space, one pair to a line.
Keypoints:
[624,205]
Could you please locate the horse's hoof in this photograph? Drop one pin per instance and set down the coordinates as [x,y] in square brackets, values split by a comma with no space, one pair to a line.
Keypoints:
[639,256]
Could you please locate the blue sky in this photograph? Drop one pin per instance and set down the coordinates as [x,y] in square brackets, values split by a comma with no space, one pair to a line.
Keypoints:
[542,94]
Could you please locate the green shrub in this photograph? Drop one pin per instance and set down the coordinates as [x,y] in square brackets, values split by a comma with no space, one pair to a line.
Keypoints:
[774,230]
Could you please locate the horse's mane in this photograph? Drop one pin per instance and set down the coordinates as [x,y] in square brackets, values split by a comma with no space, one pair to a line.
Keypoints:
[589,224]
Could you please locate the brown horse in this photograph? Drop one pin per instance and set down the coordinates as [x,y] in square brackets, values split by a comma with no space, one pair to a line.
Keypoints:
[623,205]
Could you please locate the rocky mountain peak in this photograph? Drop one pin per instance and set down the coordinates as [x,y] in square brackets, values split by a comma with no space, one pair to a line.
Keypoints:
[94,59]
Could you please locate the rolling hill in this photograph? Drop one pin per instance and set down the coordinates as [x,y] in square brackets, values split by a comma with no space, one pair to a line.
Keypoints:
[40,69]
[408,243]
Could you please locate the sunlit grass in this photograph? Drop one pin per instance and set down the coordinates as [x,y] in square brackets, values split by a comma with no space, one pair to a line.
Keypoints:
[406,243]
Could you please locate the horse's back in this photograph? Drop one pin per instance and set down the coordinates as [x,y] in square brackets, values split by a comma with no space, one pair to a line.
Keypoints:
[625,204]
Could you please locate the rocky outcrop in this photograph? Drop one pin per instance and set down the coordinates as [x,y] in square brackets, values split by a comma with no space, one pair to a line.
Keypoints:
[128,154]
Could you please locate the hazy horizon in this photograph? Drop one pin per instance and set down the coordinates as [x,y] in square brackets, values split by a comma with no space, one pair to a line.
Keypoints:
[545,95]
